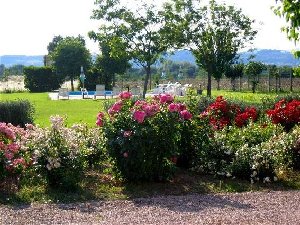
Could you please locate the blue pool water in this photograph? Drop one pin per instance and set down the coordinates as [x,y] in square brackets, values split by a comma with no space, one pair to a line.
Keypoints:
[89,92]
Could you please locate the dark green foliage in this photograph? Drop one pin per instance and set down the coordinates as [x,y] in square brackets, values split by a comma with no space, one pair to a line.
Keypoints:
[41,79]
[17,112]
[68,57]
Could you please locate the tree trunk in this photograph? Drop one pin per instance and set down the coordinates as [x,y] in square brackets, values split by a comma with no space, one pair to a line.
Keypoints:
[209,84]
[114,80]
[233,83]
[291,81]
[218,84]
[148,73]
[72,84]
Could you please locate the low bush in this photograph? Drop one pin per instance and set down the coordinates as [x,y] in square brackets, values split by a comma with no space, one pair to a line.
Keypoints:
[18,112]
[231,153]
[15,160]
[60,154]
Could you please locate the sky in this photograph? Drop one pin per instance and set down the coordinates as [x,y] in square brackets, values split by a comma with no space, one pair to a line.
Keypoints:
[27,26]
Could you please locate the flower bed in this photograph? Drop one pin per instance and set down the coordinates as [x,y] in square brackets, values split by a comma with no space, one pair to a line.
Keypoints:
[148,139]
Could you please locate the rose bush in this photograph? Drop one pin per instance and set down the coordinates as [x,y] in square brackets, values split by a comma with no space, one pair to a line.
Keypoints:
[286,113]
[15,160]
[142,136]
[221,114]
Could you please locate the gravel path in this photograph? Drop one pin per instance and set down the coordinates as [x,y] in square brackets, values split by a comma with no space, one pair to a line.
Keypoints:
[245,208]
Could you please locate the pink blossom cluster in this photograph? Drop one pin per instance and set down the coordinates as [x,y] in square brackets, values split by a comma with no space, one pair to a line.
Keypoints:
[181,109]
[100,119]
[166,98]
[125,95]
[6,131]
[143,109]
[115,108]
[12,158]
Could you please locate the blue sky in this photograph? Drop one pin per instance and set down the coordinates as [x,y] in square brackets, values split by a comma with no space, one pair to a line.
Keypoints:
[27,26]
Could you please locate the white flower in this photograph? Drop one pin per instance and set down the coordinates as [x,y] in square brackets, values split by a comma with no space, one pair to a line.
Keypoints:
[254,174]
[275,179]
[227,152]
[48,167]
[267,179]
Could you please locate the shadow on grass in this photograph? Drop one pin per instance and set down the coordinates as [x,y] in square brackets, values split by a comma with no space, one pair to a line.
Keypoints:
[99,186]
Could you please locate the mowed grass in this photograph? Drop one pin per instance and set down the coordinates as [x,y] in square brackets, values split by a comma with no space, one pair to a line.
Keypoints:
[85,110]
[75,111]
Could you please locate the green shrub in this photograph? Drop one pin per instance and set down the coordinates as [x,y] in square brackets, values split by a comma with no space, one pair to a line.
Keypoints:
[230,154]
[142,137]
[41,79]
[17,112]
[194,138]
[60,154]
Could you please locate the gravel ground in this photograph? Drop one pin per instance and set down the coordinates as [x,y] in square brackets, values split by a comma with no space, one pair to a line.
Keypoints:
[244,208]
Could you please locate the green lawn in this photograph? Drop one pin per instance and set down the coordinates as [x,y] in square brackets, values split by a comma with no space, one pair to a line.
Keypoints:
[85,111]
[76,111]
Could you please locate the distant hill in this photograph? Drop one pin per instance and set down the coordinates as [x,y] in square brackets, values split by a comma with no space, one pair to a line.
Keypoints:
[26,60]
[266,56]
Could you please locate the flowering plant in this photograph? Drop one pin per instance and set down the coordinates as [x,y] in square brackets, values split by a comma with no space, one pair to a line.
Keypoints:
[286,113]
[142,136]
[14,159]
[60,153]
[221,114]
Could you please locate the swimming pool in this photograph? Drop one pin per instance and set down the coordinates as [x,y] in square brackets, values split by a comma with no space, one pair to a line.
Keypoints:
[89,92]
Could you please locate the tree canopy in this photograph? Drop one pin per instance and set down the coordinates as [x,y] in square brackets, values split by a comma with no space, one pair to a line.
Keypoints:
[213,33]
[290,10]
[136,31]
[69,55]
[107,66]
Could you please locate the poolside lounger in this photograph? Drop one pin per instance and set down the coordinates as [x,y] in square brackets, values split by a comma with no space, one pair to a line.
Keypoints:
[100,91]
[63,93]
[136,91]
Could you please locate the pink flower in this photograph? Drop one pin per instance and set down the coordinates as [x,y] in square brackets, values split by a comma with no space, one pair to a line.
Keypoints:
[186,115]
[99,122]
[150,109]
[8,132]
[125,154]
[3,146]
[125,95]
[173,107]
[29,126]
[116,107]
[166,98]
[139,116]
[19,161]
[13,147]
[181,107]
[127,133]
[8,155]
[100,115]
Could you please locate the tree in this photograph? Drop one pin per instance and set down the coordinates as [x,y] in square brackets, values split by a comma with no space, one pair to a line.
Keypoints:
[290,10]
[234,71]
[69,55]
[107,66]
[214,34]
[53,44]
[253,69]
[136,32]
